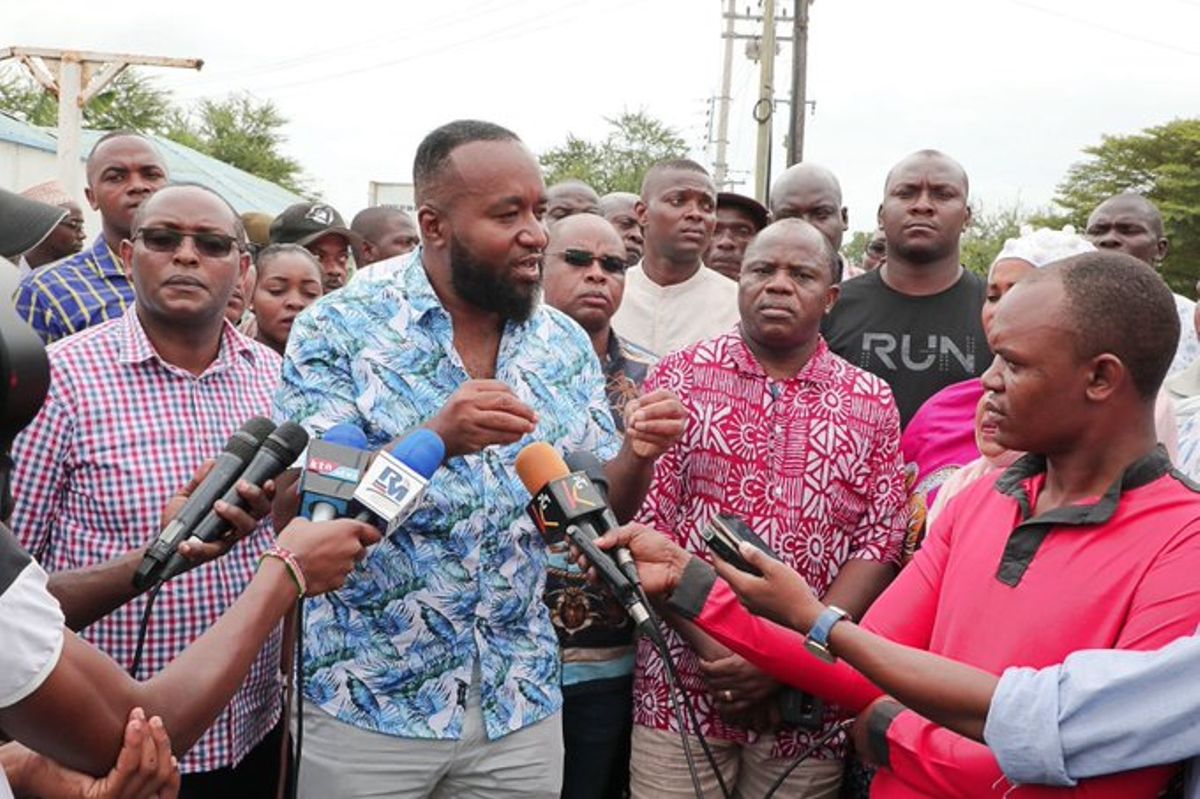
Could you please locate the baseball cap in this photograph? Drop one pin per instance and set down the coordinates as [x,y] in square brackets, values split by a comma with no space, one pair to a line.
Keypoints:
[304,223]
[24,223]
[756,210]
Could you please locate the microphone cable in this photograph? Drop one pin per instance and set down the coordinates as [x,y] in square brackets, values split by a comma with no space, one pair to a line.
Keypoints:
[143,626]
[674,687]
[840,726]
[298,682]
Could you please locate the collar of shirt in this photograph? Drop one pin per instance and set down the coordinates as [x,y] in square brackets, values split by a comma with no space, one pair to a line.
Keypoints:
[107,262]
[1017,482]
[816,371]
[135,346]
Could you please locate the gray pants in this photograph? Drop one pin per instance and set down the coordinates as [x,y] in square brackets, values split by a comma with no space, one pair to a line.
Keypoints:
[341,761]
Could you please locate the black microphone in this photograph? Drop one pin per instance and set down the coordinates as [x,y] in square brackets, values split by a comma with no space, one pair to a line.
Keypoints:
[584,461]
[239,449]
[567,505]
[278,452]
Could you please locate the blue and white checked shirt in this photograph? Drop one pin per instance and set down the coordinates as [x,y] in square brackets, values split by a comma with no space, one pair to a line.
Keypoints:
[74,294]
[1099,712]
[461,581]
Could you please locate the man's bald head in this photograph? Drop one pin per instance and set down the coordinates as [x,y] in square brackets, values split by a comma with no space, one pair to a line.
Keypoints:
[925,156]
[620,208]
[569,197]
[1133,203]
[585,225]
[795,232]
[1129,223]
[617,201]
[802,177]
[386,231]
[811,192]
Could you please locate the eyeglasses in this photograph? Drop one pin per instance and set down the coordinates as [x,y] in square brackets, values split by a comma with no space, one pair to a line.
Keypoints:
[208,245]
[612,264]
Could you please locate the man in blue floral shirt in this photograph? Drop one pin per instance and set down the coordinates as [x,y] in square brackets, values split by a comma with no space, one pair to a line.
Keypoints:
[435,670]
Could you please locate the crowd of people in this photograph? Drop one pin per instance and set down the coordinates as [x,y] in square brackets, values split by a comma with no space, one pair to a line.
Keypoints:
[976,491]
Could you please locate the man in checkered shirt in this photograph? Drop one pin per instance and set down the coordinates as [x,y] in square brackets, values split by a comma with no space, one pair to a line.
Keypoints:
[135,405]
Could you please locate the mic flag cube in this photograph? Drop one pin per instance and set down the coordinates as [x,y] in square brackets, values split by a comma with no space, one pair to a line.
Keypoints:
[395,482]
[333,466]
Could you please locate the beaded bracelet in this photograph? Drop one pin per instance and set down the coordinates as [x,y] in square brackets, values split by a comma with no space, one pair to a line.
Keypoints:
[293,566]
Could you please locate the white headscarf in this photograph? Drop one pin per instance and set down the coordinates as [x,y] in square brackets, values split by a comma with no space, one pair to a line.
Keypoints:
[1044,246]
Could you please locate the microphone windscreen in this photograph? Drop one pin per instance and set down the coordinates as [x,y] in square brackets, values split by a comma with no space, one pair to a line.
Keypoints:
[288,441]
[256,431]
[422,450]
[347,435]
[538,464]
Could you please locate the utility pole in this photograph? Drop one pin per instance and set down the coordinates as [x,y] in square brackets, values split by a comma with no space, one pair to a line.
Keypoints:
[721,167]
[799,82]
[764,109]
[75,77]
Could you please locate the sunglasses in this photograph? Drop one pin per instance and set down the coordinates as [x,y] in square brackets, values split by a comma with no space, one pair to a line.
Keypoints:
[166,240]
[612,264]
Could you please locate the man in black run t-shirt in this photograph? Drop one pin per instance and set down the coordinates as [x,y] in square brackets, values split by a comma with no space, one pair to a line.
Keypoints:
[915,321]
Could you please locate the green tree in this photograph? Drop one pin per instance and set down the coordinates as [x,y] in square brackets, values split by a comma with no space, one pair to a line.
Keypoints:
[242,132]
[131,101]
[635,141]
[238,130]
[1163,164]
[855,249]
[981,242]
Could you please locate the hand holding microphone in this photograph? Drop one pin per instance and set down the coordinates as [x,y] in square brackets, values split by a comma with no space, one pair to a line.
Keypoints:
[327,551]
[568,506]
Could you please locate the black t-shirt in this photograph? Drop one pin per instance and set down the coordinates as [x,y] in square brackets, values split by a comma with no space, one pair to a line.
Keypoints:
[919,345]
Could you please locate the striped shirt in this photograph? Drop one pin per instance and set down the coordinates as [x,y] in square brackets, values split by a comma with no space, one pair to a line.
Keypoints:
[76,293]
[119,433]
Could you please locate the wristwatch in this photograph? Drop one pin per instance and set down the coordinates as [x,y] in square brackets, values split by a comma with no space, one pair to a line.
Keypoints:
[817,641]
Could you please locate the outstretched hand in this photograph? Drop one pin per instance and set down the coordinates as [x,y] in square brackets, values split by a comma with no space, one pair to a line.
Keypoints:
[660,561]
[145,769]
[780,595]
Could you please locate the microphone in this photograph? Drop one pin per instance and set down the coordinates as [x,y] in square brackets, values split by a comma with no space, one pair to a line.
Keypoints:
[568,505]
[395,482]
[278,452]
[583,461]
[239,449]
[335,463]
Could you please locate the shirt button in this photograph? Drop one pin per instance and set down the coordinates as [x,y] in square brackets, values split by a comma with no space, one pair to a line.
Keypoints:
[778,428]
[778,491]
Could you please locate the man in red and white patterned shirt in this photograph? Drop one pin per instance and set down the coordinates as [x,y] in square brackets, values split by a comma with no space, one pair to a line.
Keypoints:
[804,448]
[134,406]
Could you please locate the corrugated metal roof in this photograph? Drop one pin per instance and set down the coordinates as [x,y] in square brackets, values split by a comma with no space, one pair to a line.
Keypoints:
[244,191]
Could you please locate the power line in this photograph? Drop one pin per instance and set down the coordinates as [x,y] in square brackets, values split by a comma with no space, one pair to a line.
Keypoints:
[490,34]
[390,39]
[1106,29]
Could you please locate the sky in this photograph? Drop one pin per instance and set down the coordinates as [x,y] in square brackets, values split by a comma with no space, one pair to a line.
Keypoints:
[1014,89]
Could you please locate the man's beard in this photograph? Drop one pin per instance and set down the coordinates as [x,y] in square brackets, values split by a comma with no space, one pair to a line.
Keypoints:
[476,283]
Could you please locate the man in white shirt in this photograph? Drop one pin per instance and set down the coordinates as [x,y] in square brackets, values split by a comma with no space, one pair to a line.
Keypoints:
[671,300]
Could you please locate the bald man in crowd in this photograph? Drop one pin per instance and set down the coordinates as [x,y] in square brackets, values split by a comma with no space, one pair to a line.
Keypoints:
[915,321]
[620,208]
[123,170]
[671,300]
[569,197]
[1130,223]
[386,231]
[811,192]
